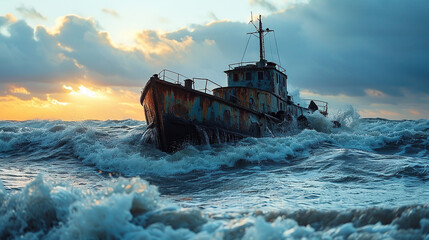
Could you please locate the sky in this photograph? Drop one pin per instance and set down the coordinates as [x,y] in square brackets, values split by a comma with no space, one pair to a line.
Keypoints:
[77,60]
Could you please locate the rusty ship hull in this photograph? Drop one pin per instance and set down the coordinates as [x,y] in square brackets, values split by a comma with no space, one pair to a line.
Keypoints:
[254,101]
[177,116]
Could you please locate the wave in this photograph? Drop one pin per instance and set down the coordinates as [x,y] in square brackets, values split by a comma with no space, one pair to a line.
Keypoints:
[116,146]
[132,208]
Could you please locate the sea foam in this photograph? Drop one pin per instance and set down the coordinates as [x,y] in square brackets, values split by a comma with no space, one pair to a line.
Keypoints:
[132,208]
[115,146]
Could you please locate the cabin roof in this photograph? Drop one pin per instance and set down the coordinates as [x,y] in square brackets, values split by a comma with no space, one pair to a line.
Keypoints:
[256,66]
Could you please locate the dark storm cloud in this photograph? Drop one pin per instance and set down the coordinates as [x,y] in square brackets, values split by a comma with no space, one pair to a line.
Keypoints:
[35,58]
[93,50]
[329,47]
[349,46]
[341,47]
[24,59]
[30,12]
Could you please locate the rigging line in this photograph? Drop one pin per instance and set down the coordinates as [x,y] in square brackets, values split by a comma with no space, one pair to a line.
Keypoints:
[275,39]
[245,48]
[271,49]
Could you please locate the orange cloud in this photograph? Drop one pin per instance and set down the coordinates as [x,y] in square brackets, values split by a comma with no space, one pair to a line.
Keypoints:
[379,113]
[83,91]
[151,42]
[374,93]
[54,101]
[10,17]
[76,103]
[389,113]
[414,112]
[20,90]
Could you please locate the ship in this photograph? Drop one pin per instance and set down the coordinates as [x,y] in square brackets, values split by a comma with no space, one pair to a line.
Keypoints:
[255,100]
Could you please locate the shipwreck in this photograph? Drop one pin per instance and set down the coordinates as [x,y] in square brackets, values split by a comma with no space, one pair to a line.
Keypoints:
[255,100]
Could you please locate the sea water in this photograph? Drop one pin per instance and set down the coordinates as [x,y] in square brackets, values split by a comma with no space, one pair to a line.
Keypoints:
[368,179]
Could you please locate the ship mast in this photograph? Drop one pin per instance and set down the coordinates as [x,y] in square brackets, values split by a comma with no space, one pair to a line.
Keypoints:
[261,34]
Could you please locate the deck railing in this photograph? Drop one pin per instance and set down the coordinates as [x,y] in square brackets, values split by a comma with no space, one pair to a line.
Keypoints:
[209,85]
[322,105]
[203,84]
[171,76]
[241,64]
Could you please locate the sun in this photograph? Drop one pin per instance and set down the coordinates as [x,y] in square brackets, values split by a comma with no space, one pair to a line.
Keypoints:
[83,91]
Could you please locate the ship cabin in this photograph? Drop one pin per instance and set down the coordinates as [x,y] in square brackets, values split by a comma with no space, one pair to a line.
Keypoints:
[260,86]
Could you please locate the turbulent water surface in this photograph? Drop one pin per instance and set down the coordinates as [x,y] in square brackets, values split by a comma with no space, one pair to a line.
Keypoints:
[97,180]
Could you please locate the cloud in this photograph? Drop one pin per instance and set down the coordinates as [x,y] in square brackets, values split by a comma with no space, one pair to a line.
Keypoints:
[25,60]
[338,47]
[154,43]
[372,52]
[265,4]
[42,61]
[94,50]
[374,93]
[30,12]
[415,112]
[8,18]
[110,11]
[19,90]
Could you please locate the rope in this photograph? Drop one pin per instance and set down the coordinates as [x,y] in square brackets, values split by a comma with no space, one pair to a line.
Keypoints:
[271,49]
[245,48]
[275,39]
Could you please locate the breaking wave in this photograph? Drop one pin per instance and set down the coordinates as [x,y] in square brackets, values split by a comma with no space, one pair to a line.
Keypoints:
[116,146]
[133,209]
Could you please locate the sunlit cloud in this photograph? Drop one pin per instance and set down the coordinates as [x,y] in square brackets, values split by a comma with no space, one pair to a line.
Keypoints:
[10,17]
[77,103]
[83,91]
[374,93]
[324,57]
[415,112]
[218,21]
[54,101]
[389,113]
[152,42]
[20,90]
[367,113]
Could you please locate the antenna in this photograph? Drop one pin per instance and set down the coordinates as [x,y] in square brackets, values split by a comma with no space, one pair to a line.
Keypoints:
[261,34]
[251,21]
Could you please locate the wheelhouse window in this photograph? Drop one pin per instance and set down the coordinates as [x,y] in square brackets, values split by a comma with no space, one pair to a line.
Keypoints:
[248,76]
[260,75]
[235,77]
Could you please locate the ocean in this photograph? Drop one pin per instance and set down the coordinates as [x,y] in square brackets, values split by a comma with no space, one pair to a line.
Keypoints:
[368,179]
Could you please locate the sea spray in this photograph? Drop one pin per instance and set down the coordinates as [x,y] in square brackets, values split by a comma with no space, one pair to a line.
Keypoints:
[132,208]
[116,147]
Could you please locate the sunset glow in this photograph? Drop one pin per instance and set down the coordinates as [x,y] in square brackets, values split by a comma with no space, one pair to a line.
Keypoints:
[83,91]
[72,62]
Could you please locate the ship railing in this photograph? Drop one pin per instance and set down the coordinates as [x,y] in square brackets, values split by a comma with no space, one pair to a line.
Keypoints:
[241,64]
[322,105]
[171,76]
[208,84]
[200,84]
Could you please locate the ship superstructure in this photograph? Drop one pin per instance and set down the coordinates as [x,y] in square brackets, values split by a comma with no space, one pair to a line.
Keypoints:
[255,99]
